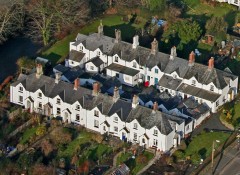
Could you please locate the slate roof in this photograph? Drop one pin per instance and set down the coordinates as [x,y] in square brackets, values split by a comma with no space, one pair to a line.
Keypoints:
[76,55]
[123,69]
[169,82]
[73,73]
[144,57]
[198,92]
[146,117]
[192,109]
[61,68]
[96,61]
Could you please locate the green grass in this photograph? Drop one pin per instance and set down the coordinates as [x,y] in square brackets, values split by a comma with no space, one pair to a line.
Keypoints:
[72,147]
[28,134]
[97,152]
[123,157]
[60,49]
[138,167]
[202,144]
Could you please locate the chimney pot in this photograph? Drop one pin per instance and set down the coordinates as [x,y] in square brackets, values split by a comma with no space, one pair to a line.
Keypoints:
[39,71]
[57,77]
[154,47]
[135,42]
[100,29]
[173,53]
[211,63]
[116,95]
[135,101]
[96,88]
[191,60]
[155,106]
[76,83]
[117,35]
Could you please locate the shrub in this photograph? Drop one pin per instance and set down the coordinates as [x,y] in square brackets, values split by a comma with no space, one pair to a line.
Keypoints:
[98,138]
[195,158]
[178,155]
[41,130]
[141,159]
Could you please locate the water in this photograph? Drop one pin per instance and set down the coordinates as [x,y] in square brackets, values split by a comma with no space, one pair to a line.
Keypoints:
[11,50]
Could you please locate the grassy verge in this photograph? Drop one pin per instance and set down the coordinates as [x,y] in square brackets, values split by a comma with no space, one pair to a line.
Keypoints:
[27,135]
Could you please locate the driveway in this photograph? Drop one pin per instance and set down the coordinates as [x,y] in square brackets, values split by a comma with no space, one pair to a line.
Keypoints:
[212,123]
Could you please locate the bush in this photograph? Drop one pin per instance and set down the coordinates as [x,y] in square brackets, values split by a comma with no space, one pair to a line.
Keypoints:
[195,158]
[98,138]
[141,159]
[41,130]
[178,155]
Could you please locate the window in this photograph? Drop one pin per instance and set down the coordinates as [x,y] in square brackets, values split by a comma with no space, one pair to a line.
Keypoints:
[58,101]
[81,48]
[193,83]
[116,59]
[135,126]
[117,75]
[149,69]
[96,113]
[187,128]
[72,62]
[148,78]
[116,119]
[78,107]
[134,64]
[135,136]
[77,117]
[115,129]
[156,71]
[155,142]
[104,128]
[143,140]
[174,76]
[217,103]
[223,99]
[155,132]
[140,67]
[96,123]
[40,105]
[91,67]
[98,53]
[58,111]
[211,88]
[20,99]
[39,95]
[20,89]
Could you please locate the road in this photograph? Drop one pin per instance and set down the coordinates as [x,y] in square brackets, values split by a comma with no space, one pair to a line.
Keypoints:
[233,167]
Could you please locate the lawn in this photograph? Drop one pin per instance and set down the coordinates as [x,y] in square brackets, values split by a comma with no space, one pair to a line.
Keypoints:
[131,163]
[60,49]
[30,132]
[73,146]
[202,144]
[97,151]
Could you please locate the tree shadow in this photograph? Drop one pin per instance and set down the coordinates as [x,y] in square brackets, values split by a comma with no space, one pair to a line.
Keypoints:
[202,152]
[53,57]
[230,18]
[127,31]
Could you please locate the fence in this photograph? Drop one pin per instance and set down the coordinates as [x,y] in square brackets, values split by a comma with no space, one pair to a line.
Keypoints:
[20,128]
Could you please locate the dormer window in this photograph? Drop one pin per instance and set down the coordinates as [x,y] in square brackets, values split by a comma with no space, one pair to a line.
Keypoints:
[78,107]
[58,101]
[135,126]
[98,53]
[174,76]
[156,71]
[116,58]
[40,105]
[115,119]
[96,113]
[134,65]
[155,132]
[20,89]
[81,48]
[77,117]
[39,95]
[211,88]
[193,83]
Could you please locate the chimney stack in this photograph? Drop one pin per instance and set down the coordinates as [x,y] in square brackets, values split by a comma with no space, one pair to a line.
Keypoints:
[154,47]
[191,60]
[39,70]
[117,35]
[135,101]
[135,41]
[173,53]
[76,83]
[100,29]
[155,106]
[116,94]
[211,63]
[57,77]
[96,88]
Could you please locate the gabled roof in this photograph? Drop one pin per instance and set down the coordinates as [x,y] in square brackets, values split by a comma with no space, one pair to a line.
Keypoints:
[73,73]
[123,69]
[76,55]
[96,61]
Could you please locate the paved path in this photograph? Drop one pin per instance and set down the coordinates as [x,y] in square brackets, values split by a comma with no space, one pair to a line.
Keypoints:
[157,156]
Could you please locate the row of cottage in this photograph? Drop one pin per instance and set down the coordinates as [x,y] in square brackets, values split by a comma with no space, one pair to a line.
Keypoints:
[96,111]
[133,64]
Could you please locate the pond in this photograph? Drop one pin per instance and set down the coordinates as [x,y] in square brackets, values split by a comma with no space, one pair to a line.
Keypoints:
[11,50]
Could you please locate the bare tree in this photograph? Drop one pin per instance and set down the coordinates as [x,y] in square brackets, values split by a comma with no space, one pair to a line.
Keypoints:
[11,18]
[47,17]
